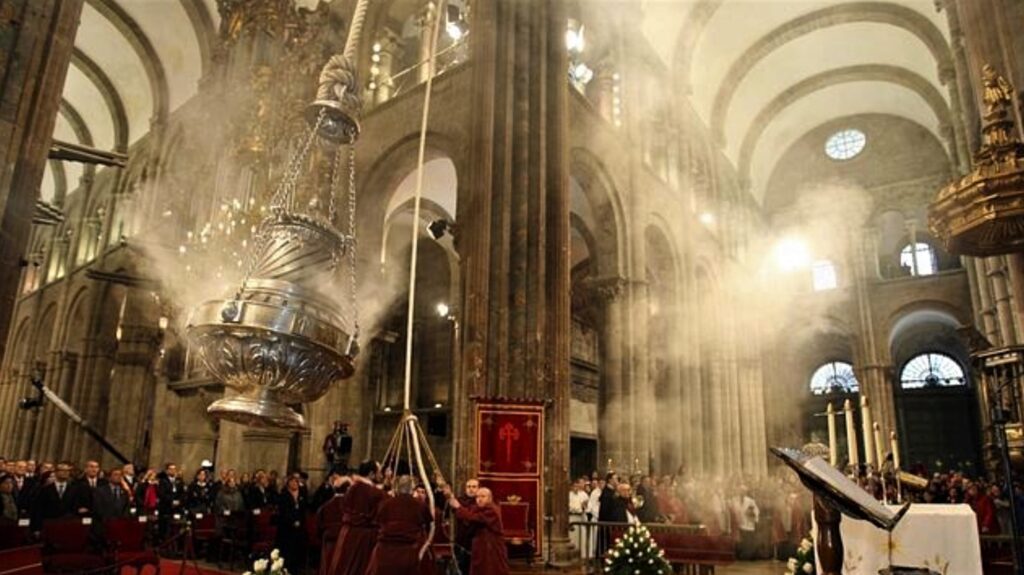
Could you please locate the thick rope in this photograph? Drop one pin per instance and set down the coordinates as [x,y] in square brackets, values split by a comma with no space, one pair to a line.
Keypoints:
[416,206]
[355,30]
[413,431]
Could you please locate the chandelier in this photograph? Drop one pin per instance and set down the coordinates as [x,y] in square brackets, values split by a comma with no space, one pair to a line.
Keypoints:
[278,339]
[982,213]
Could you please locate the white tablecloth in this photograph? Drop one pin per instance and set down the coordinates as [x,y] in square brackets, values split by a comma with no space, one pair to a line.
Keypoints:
[943,538]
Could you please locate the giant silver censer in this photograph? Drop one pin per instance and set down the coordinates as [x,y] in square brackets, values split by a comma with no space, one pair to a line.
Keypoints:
[278,341]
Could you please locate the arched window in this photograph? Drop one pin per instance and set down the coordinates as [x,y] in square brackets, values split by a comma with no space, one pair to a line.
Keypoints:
[918,259]
[823,274]
[834,377]
[932,370]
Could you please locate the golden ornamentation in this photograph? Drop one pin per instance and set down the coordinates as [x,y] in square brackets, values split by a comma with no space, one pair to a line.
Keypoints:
[982,213]
[513,499]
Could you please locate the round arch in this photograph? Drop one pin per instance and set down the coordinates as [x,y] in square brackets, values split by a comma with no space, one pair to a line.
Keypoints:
[605,205]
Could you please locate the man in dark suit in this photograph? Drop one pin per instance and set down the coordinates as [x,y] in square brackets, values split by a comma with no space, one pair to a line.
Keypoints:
[259,495]
[111,497]
[83,490]
[55,499]
[170,492]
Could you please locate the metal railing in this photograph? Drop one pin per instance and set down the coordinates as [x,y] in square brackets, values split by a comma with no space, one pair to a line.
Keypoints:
[592,540]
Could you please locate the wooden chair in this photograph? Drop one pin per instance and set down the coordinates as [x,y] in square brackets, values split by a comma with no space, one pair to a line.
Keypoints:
[27,560]
[127,538]
[14,534]
[515,520]
[66,547]
[204,532]
[234,538]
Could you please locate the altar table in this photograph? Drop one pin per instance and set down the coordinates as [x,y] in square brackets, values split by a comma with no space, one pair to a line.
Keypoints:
[943,538]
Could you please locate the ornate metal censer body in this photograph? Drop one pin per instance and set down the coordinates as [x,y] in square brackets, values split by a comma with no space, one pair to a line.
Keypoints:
[278,341]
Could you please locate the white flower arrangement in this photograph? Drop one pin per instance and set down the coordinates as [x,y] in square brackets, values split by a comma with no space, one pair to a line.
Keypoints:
[272,566]
[803,563]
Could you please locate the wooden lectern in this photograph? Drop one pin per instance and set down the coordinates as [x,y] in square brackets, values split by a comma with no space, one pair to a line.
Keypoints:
[836,495]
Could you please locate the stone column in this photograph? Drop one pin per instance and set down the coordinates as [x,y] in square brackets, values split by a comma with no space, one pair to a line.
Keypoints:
[600,91]
[987,311]
[39,36]
[1001,293]
[426,24]
[514,216]
[639,387]
[132,383]
[1015,266]
[876,383]
[610,292]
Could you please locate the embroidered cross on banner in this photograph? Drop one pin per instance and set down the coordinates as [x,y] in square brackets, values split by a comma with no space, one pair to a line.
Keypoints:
[508,433]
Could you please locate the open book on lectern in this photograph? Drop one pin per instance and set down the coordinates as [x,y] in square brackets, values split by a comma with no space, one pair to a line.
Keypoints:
[838,490]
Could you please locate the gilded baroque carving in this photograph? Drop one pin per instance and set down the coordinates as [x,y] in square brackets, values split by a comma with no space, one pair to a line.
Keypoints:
[982,213]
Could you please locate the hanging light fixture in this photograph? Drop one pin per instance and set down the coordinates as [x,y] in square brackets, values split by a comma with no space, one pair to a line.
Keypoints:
[277,340]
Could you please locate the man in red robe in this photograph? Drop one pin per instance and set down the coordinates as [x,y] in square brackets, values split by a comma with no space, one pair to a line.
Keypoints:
[358,535]
[404,521]
[463,529]
[329,520]
[489,554]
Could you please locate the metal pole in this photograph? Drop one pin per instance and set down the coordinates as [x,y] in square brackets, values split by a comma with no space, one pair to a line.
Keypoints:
[75,417]
[1004,451]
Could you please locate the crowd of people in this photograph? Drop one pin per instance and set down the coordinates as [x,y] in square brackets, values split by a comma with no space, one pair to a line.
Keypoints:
[376,522]
[370,522]
[767,516]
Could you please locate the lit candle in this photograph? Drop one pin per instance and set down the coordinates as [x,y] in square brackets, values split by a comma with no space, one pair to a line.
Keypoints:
[851,434]
[879,450]
[609,464]
[895,450]
[833,452]
[866,427]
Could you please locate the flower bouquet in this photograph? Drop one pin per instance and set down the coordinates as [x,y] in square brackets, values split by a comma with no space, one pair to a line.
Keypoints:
[272,566]
[803,563]
[636,553]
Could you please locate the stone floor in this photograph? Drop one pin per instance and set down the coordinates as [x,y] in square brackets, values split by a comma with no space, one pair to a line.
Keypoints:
[741,568]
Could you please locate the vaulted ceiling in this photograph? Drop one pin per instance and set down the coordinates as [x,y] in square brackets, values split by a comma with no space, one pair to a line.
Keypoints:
[762,73]
[133,62]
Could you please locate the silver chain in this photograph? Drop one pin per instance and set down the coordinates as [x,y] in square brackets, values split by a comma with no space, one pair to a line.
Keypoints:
[285,190]
[282,198]
[352,237]
[332,209]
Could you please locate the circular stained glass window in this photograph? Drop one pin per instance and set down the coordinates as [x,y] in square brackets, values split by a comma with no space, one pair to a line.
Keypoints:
[846,144]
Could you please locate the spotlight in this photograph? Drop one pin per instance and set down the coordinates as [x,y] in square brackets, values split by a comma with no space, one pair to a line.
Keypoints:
[792,254]
[442,309]
[437,228]
[574,41]
[707,218]
[455,24]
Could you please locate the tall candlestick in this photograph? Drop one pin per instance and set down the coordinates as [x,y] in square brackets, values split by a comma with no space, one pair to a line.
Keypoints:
[895,450]
[833,451]
[867,430]
[851,434]
[879,449]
